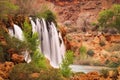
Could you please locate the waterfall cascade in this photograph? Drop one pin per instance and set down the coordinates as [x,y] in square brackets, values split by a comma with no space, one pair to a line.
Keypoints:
[51,42]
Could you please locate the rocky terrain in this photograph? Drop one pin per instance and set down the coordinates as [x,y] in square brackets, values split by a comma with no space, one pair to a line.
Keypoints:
[75,19]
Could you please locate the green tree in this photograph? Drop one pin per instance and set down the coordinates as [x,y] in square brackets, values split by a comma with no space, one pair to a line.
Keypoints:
[64,68]
[7,8]
[31,39]
[83,52]
[33,42]
[110,18]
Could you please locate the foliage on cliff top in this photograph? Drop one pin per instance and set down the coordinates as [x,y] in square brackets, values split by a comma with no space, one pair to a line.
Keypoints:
[110,17]
[48,15]
[7,8]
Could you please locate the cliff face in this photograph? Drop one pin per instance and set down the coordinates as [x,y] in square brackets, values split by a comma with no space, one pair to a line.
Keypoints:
[80,13]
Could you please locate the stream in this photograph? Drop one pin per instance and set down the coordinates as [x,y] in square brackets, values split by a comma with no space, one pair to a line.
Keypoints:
[86,68]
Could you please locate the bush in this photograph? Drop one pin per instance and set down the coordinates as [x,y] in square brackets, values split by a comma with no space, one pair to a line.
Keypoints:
[7,8]
[102,43]
[2,58]
[83,51]
[22,71]
[31,39]
[113,64]
[39,60]
[64,67]
[90,52]
[48,16]
[104,72]
[110,17]
[51,74]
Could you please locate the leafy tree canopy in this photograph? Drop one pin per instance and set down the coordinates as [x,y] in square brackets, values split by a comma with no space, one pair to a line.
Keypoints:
[110,18]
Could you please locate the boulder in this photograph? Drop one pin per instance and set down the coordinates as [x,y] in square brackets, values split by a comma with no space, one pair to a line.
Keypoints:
[5,68]
[17,58]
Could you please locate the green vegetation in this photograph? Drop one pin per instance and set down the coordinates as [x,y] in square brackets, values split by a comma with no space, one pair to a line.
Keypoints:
[39,60]
[2,59]
[11,43]
[114,60]
[31,39]
[90,52]
[50,74]
[104,72]
[48,15]
[22,71]
[83,52]
[102,43]
[113,73]
[33,42]
[7,8]
[113,64]
[110,18]
[64,68]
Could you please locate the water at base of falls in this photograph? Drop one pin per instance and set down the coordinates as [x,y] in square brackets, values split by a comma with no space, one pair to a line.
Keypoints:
[51,42]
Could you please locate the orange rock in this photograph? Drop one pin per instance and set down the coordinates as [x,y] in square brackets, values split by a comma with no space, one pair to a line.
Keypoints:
[5,69]
[35,75]
[113,38]
[17,58]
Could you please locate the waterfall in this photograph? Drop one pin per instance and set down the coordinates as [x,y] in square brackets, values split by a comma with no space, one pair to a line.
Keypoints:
[51,42]
[18,33]
[50,39]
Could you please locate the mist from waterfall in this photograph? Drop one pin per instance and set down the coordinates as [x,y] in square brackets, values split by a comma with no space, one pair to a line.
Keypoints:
[51,42]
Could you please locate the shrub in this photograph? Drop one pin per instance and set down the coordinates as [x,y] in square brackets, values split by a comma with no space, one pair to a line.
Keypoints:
[110,17]
[90,52]
[38,60]
[83,51]
[22,71]
[50,74]
[31,39]
[114,64]
[104,72]
[2,59]
[102,43]
[64,67]
[7,8]
[48,16]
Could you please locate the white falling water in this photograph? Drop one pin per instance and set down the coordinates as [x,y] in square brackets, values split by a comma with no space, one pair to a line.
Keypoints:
[49,38]
[45,44]
[62,47]
[56,55]
[49,41]
[18,33]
